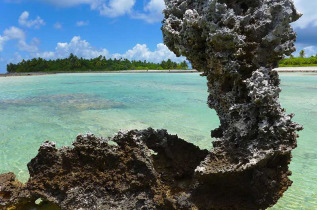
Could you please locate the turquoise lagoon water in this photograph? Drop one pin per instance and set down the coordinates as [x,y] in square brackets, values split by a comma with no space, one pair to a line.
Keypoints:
[58,107]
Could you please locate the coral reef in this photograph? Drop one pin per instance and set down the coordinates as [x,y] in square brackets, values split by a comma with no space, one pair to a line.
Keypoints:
[236,44]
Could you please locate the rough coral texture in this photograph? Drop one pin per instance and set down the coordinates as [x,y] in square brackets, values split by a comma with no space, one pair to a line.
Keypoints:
[11,192]
[236,44]
[133,170]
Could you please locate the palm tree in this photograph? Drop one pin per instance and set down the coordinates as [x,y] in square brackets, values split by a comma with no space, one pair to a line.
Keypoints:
[302,53]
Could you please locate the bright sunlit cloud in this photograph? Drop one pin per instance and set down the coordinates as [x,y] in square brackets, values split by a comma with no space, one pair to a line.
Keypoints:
[151,12]
[14,33]
[308,9]
[25,21]
[83,48]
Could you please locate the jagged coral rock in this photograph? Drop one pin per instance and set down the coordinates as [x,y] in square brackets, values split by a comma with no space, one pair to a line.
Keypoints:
[236,44]
[12,194]
[146,170]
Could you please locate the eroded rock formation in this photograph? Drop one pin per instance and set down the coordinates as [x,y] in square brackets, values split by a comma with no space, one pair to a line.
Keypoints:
[236,44]
[141,170]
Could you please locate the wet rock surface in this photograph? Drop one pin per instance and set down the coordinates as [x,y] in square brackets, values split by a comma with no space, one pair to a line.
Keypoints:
[236,44]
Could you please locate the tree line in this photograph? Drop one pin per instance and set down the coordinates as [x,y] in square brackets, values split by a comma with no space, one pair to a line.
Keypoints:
[73,63]
[299,61]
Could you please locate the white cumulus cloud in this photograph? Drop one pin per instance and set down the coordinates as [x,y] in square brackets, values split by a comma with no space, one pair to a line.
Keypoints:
[25,21]
[77,46]
[308,9]
[31,48]
[153,11]
[14,33]
[142,52]
[82,48]
[113,8]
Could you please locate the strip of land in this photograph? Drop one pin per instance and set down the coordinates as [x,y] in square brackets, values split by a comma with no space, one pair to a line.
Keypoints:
[25,74]
[297,69]
[282,69]
[80,72]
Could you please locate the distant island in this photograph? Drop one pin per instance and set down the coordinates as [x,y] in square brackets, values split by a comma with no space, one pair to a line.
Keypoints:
[300,61]
[101,63]
[75,64]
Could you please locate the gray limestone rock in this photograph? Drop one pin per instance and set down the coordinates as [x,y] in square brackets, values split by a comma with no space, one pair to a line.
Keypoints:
[236,44]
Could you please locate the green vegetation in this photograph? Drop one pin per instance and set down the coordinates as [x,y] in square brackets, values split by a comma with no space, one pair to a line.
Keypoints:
[73,64]
[299,61]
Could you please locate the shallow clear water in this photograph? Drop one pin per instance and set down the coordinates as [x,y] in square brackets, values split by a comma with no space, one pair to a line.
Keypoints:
[58,107]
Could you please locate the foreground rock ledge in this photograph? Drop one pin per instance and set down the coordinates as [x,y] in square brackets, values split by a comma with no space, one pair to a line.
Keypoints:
[145,169]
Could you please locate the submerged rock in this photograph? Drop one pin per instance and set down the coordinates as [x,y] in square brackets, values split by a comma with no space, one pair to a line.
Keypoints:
[65,102]
[236,44]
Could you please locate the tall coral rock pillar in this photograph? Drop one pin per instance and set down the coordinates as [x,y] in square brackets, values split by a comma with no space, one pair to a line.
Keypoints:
[236,44]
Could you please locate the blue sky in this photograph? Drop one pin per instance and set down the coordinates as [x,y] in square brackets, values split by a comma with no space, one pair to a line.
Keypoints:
[114,28]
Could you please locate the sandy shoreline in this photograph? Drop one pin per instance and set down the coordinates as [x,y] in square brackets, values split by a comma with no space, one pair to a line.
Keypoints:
[282,69]
[106,72]
[24,74]
[297,69]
